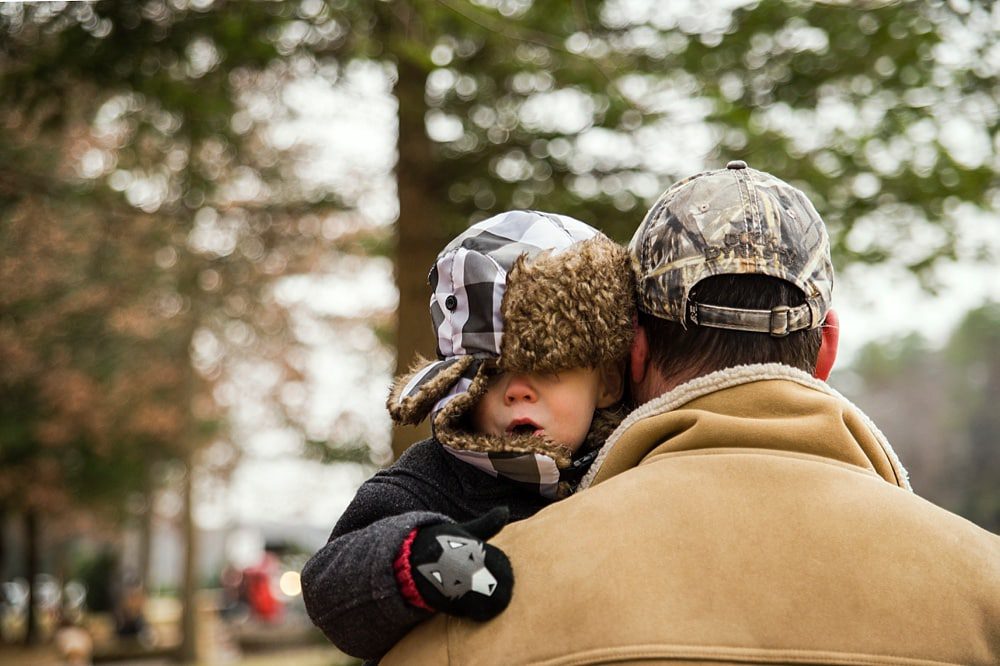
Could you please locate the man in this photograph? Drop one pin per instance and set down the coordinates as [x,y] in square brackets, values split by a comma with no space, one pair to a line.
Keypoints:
[746,512]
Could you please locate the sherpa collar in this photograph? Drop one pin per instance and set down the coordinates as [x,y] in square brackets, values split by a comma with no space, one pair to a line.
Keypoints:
[727,379]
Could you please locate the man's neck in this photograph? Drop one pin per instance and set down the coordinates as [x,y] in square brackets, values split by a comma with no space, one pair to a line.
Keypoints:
[655,383]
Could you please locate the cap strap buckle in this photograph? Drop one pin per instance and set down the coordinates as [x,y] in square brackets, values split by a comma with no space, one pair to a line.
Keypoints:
[779,321]
[778,325]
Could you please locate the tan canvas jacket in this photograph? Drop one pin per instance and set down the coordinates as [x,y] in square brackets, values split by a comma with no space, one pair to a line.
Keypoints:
[753,516]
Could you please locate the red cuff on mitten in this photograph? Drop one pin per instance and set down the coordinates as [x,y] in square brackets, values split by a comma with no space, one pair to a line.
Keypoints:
[404,576]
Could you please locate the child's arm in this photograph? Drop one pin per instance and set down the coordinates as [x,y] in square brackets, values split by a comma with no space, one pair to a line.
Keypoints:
[349,586]
[378,576]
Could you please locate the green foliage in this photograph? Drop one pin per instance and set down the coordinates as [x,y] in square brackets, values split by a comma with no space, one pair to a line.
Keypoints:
[974,350]
[938,408]
[977,340]
[852,104]
[880,361]
[355,451]
[98,574]
[142,218]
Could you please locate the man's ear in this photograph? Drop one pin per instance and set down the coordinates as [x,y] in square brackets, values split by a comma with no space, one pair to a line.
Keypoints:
[828,347]
[612,384]
[638,355]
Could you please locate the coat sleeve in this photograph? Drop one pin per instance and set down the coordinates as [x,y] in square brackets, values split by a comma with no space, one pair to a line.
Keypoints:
[349,586]
[427,644]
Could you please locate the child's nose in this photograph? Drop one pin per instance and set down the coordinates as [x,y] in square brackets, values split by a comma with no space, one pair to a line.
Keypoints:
[519,389]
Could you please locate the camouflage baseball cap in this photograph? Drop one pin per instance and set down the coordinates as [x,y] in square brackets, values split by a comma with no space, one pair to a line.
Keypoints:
[735,220]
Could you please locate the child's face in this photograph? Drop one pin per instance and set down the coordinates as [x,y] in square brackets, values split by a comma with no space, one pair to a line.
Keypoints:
[559,406]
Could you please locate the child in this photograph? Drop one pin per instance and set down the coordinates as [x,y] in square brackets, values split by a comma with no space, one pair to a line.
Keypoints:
[533,315]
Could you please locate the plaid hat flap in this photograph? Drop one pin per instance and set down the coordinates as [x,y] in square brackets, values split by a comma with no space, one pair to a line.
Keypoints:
[735,220]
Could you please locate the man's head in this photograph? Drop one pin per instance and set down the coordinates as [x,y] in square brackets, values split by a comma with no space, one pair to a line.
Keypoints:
[733,267]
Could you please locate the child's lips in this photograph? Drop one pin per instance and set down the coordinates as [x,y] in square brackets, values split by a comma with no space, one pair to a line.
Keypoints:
[525,426]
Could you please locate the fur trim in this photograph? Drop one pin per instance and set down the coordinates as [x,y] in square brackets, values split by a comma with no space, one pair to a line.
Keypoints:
[507,443]
[414,409]
[605,422]
[569,310]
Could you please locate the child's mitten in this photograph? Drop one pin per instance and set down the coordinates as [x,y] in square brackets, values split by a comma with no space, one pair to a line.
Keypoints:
[448,567]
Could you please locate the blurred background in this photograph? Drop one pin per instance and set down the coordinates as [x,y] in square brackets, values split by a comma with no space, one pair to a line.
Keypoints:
[217,218]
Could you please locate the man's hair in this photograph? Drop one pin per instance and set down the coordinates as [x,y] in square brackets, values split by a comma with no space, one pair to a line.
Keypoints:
[699,350]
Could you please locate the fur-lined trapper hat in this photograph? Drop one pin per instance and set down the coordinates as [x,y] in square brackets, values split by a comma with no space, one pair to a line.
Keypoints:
[523,291]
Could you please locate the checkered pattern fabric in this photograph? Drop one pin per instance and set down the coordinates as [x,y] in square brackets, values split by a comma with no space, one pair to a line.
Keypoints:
[432,370]
[468,283]
[534,470]
[537,471]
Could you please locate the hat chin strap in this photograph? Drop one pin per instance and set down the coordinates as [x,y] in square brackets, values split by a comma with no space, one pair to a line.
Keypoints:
[528,468]
[779,321]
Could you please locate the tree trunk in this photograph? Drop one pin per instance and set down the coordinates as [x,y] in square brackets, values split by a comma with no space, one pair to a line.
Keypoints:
[421,234]
[31,555]
[3,542]
[146,532]
[187,652]
[4,550]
